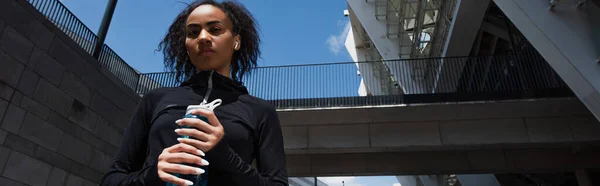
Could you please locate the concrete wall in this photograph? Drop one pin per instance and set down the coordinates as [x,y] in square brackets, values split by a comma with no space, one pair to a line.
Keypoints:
[565,39]
[61,114]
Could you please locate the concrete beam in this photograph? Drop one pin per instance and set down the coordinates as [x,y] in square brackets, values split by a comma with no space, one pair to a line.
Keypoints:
[564,38]
[389,49]
[370,83]
[468,17]
[490,161]
[438,127]
[463,31]
[495,30]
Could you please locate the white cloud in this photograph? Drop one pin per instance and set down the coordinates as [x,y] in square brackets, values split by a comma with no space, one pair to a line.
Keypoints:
[397,184]
[336,42]
[337,181]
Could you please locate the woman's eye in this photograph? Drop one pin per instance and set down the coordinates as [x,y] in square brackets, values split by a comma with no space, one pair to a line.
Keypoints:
[192,33]
[215,29]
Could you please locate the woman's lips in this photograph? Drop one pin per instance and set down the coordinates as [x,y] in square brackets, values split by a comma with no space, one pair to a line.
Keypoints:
[207,52]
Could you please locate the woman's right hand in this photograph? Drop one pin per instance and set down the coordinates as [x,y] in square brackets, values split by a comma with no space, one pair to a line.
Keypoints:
[169,162]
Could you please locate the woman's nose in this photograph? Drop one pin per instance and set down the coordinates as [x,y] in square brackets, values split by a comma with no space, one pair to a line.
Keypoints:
[203,37]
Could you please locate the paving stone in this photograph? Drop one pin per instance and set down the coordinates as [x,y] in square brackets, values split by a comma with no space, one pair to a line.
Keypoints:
[5,91]
[21,168]
[83,117]
[75,149]
[8,182]
[17,97]
[67,57]
[91,138]
[28,82]
[40,35]
[3,108]
[3,135]
[41,132]
[57,177]
[11,70]
[73,180]
[16,45]
[108,132]
[15,15]
[75,87]
[88,183]
[19,144]
[13,119]
[64,124]
[103,107]
[35,107]
[4,153]
[52,97]
[46,66]
[86,172]
[53,158]
[100,161]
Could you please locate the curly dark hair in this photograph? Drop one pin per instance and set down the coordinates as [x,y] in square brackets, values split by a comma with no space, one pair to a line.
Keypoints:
[244,25]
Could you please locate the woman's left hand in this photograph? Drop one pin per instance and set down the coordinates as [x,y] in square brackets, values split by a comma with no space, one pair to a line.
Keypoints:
[206,135]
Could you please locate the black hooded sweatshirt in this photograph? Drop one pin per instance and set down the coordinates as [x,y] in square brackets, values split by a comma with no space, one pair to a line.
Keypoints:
[252,132]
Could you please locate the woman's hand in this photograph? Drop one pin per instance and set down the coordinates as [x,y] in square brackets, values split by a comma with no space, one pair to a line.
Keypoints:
[169,162]
[205,135]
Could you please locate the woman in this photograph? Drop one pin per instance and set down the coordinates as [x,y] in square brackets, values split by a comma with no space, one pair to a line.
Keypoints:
[214,44]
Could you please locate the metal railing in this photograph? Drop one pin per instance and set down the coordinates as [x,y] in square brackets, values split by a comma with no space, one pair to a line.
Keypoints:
[517,76]
[521,76]
[65,20]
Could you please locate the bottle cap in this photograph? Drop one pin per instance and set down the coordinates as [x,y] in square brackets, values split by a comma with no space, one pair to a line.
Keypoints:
[208,106]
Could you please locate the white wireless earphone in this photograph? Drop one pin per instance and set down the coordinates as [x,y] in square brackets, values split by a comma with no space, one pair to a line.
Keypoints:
[236,44]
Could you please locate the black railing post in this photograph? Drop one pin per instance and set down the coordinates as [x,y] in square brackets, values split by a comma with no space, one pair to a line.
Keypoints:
[108,13]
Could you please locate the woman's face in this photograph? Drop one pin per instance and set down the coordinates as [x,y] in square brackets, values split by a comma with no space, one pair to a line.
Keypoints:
[209,41]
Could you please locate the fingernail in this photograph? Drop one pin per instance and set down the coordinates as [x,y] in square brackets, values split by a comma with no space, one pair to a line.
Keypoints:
[179,139]
[177,130]
[199,171]
[201,153]
[178,121]
[204,162]
[188,182]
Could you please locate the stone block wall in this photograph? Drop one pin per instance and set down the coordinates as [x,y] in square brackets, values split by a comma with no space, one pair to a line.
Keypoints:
[61,114]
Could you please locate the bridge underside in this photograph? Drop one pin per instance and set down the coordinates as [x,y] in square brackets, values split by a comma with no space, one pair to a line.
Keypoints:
[563,158]
[477,137]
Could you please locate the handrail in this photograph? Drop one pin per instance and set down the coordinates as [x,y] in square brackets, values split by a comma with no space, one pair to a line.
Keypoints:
[65,20]
[516,76]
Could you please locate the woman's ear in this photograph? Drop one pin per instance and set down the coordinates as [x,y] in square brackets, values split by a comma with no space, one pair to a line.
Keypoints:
[238,43]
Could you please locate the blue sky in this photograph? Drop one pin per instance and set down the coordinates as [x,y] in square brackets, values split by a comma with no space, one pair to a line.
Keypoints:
[293,32]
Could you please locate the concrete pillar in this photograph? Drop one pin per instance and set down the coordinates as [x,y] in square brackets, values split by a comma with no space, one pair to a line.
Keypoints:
[463,31]
[369,82]
[389,49]
[564,38]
